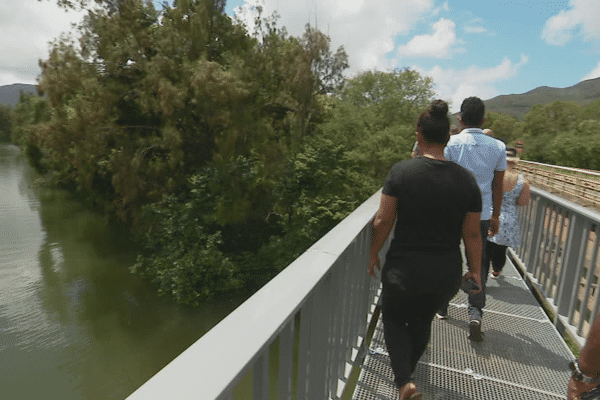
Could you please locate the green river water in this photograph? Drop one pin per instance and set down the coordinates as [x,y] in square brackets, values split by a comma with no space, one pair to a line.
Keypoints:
[74,322]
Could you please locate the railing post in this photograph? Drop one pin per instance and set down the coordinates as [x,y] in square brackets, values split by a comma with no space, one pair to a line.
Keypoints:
[286,359]
[319,343]
[554,259]
[589,282]
[260,387]
[536,235]
[526,214]
[304,349]
[568,284]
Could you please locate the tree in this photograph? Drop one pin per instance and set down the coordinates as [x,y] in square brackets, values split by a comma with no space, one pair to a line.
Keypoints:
[327,68]
[552,118]
[579,148]
[29,128]
[376,118]
[395,97]
[543,123]
[505,127]
[321,186]
[5,123]
[183,250]
[228,152]
[321,73]
[591,111]
[145,101]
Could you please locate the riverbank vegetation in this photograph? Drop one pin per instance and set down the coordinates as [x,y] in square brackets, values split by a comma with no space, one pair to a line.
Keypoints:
[228,152]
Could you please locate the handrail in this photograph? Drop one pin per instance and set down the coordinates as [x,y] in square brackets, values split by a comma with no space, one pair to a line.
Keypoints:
[582,171]
[579,185]
[315,314]
[559,255]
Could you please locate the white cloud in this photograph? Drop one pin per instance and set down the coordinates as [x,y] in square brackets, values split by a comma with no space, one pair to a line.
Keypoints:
[475,25]
[582,18]
[475,29]
[26,28]
[455,85]
[595,73]
[443,7]
[437,45]
[366,28]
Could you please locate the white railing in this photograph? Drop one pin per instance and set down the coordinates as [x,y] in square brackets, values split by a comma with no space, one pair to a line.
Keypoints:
[559,255]
[297,337]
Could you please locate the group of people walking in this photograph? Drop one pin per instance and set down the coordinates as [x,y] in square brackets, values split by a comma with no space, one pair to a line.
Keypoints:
[458,187]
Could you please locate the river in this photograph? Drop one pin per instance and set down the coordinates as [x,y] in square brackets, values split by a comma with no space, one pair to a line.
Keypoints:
[74,322]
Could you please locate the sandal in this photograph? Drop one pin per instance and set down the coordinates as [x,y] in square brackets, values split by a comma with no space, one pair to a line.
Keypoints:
[409,392]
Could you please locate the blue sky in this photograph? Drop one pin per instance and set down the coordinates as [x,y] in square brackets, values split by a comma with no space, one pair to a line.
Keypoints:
[484,48]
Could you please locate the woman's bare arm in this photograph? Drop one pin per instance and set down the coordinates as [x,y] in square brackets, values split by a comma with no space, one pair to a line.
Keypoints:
[525,195]
[472,238]
[382,225]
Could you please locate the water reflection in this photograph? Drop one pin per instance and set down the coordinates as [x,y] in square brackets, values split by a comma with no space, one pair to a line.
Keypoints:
[74,323]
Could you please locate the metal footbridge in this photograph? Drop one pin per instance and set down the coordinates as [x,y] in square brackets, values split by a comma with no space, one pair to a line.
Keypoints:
[313,331]
[523,355]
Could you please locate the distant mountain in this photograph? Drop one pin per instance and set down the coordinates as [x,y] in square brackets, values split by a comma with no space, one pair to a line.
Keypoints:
[518,105]
[10,94]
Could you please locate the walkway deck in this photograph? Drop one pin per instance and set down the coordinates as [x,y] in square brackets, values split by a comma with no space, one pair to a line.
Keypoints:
[523,355]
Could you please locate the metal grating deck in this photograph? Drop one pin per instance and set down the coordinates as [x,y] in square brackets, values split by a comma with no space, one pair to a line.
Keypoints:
[523,355]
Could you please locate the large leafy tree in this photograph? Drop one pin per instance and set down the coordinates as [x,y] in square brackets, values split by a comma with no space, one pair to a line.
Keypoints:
[579,147]
[326,67]
[591,111]
[394,97]
[376,116]
[29,128]
[146,101]
[543,123]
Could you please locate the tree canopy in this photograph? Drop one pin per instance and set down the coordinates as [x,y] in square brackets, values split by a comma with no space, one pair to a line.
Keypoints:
[229,153]
[562,133]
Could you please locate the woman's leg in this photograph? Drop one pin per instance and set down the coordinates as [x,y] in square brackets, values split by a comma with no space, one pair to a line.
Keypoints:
[407,329]
[407,311]
[497,256]
[397,338]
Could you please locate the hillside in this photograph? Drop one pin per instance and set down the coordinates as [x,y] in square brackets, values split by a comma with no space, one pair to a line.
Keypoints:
[519,104]
[9,94]
[513,104]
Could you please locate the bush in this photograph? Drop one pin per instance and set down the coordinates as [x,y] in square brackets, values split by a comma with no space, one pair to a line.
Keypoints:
[182,252]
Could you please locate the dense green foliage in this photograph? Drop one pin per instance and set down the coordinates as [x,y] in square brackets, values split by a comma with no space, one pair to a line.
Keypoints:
[5,123]
[229,152]
[560,132]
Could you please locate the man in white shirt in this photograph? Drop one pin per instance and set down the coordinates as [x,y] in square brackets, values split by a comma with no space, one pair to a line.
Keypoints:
[485,157]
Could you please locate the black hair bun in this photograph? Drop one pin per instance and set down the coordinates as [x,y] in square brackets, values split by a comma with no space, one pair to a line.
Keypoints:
[438,109]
